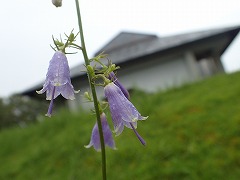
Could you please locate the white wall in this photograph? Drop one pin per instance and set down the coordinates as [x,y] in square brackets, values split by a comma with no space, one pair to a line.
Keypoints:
[154,76]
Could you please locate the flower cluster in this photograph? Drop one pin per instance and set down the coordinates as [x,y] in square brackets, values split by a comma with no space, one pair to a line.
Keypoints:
[58,81]
[123,112]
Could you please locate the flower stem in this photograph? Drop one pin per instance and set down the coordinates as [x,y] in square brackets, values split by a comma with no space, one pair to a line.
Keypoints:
[94,94]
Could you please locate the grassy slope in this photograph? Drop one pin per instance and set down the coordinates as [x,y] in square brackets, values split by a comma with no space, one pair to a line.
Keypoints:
[193,132]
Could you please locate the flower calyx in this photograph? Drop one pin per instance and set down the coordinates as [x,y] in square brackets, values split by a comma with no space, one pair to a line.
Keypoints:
[69,43]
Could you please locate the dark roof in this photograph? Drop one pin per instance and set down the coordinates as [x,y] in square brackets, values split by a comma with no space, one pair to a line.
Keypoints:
[127,46]
[142,45]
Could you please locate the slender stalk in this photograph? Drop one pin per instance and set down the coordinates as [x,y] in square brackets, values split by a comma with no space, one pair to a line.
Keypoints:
[94,94]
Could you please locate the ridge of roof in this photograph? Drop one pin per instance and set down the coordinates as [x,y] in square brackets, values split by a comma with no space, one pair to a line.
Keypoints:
[192,36]
[125,38]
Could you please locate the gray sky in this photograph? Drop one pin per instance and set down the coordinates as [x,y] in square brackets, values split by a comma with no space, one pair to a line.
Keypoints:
[27,27]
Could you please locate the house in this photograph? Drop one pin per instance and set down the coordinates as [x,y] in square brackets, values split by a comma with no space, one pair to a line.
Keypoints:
[153,63]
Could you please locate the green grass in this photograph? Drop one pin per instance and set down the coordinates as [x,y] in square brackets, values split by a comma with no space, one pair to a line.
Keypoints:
[193,132]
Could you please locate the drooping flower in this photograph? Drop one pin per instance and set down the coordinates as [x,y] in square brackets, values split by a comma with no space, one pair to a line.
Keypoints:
[57,3]
[114,79]
[132,126]
[58,80]
[123,112]
[107,134]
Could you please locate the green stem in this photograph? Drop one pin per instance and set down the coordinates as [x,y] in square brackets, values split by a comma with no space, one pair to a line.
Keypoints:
[94,94]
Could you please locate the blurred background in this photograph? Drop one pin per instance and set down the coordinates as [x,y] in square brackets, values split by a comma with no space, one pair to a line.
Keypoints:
[193,128]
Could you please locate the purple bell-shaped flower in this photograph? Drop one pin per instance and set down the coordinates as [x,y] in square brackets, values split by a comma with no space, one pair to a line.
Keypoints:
[123,112]
[114,79]
[107,134]
[58,80]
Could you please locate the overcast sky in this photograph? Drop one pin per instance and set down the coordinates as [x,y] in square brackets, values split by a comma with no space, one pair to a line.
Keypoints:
[27,27]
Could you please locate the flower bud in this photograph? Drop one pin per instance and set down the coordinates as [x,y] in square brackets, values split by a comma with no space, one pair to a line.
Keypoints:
[90,70]
[57,3]
[88,96]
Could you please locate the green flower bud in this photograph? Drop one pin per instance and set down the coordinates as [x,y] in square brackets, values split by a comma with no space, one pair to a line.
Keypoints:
[88,96]
[71,37]
[90,70]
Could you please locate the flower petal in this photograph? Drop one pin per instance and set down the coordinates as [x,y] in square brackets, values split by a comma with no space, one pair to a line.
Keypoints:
[113,77]
[58,70]
[95,138]
[120,106]
[67,91]
[118,129]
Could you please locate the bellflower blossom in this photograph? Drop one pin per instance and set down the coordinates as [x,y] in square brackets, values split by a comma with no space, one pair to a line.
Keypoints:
[95,139]
[114,79]
[122,110]
[57,80]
